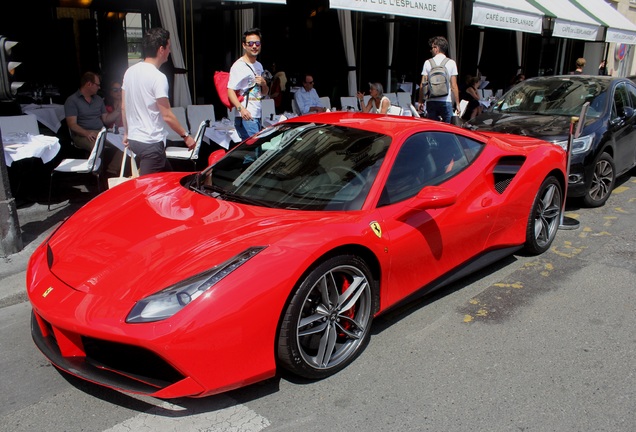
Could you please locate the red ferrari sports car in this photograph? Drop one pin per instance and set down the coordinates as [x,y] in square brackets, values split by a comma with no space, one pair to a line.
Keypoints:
[283,252]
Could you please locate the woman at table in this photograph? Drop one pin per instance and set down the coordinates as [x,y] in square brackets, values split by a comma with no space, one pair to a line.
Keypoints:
[471,95]
[378,102]
[113,104]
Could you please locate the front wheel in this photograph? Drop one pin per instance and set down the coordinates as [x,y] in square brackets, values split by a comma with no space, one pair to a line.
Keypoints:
[326,325]
[603,180]
[545,217]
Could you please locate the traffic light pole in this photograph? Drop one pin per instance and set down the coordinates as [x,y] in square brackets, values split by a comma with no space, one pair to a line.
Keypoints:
[10,235]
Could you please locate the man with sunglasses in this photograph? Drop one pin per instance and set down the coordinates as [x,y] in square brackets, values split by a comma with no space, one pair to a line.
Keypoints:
[246,80]
[307,98]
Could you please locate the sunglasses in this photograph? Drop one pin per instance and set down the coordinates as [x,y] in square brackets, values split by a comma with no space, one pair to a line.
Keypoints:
[252,43]
[309,82]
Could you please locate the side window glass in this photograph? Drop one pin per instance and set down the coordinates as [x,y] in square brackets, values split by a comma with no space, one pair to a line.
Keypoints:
[621,100]
[427,158]
[631,89]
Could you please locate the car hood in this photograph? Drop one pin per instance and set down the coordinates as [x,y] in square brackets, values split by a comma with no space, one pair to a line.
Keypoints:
[546,127]
[150,233]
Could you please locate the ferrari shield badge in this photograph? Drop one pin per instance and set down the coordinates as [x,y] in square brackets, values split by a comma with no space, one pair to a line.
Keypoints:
[376,228]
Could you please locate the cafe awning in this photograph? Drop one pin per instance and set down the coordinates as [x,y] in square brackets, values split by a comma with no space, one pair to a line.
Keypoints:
[619,28]
[569,20]
[440,10]
[517,15]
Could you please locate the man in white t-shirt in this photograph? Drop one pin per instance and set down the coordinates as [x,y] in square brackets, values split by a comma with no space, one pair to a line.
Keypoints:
[246,76]
[145,103]
[440,107]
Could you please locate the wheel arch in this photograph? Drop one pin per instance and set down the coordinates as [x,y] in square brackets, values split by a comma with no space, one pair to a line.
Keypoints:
[357,250]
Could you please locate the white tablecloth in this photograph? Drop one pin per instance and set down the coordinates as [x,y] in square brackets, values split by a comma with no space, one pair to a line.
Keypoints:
[222,134]
[50,115]
[22,146]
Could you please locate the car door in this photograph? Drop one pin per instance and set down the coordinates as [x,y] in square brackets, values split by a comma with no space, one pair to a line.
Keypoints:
[629,148]
[622,126]
[426,244]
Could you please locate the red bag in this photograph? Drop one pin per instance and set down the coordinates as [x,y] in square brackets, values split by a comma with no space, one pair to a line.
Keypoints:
[220,82]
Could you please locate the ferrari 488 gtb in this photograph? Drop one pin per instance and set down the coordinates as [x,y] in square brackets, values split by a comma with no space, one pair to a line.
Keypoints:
[281,254]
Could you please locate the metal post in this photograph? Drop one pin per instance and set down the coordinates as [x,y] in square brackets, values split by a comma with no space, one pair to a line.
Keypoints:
[568,223]
[10,233]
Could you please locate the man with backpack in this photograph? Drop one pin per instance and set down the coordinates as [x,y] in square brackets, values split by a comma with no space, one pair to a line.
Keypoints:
[439,82]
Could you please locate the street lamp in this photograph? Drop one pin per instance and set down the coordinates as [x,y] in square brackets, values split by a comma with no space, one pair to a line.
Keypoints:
[8,87]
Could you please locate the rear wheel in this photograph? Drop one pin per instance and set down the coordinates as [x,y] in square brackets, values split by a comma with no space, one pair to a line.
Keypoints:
[602,182]
[326,325]
[545,217]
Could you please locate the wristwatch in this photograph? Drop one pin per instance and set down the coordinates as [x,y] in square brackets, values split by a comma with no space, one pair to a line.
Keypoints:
[239,108]
[185,135]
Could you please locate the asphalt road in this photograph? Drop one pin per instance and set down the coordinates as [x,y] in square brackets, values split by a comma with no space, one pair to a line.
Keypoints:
[542,343]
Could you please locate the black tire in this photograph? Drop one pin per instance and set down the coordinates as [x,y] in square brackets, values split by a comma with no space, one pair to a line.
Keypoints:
[603,180]
[322,330]
[545,217]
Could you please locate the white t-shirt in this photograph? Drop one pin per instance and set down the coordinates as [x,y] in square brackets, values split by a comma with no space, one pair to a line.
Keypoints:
[242,78]
[451,68]
[143,84]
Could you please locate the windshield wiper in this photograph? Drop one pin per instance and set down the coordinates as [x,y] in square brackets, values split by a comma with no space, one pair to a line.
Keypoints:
[220,193]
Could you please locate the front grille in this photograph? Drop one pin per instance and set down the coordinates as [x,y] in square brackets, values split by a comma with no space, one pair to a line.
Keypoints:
[112,364]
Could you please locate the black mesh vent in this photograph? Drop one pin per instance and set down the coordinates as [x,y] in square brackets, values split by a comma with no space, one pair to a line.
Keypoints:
[506,170]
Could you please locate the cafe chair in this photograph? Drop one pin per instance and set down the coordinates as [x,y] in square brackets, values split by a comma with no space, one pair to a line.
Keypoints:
[326,102]
[295,107]
[198,113]
[268,112]
[92,165]
[180,114]
[19,123]
[395,110]
[184,153]
[348,103]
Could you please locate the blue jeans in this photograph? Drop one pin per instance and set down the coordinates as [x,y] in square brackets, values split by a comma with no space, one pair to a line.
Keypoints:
[436,109]
[247,128]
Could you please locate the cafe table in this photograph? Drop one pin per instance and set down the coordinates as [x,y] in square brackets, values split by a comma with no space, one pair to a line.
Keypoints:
[20,145]
[222,133]
[50,115]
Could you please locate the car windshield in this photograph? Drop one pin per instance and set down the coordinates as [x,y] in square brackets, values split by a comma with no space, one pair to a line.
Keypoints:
[556,96]
[305,166]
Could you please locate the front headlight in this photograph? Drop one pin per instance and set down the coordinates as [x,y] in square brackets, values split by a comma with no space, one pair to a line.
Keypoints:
[579,145]
[171,300]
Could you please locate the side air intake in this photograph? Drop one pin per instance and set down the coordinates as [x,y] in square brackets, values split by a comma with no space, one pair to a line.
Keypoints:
[505,170]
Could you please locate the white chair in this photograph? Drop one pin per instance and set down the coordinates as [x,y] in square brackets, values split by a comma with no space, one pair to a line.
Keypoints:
[184,153]
[92,165]
[295,107]
[395,110]
[180,113]
[487,93]
[325,102]
[349,102]
[19,123]
[198,113]
[392,97]
[268,112]
[404,100]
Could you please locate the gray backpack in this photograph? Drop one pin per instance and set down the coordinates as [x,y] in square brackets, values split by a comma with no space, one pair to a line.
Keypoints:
[438,82]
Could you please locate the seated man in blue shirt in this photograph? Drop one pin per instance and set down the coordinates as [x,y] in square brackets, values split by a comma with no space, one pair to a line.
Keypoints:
[307,97]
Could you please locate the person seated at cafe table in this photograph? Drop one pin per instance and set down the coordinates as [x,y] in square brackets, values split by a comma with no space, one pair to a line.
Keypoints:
[113,103]
[86,114]
[307,98]
[378,103]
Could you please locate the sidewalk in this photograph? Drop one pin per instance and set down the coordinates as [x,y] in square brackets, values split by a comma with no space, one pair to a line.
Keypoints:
[36,223]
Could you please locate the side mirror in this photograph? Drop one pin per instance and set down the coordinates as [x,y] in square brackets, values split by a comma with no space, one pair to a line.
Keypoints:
[430,197]
[628,112]
[215,156]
